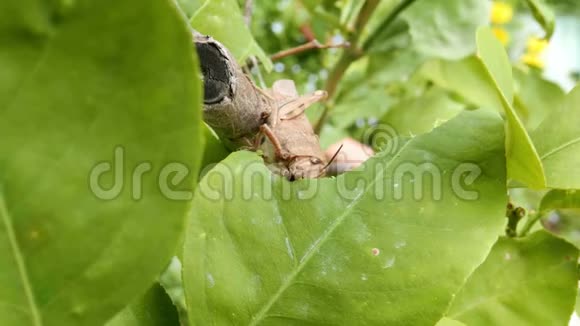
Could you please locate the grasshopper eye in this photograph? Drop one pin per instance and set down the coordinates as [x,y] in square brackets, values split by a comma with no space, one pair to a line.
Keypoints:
[315,160]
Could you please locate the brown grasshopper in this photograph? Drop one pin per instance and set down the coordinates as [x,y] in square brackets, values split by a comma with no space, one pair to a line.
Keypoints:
[293,149]
[244,116]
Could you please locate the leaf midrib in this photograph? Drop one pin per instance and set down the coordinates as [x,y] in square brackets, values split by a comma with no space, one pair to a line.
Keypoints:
[560,148]
[18,257]
[509,110]
[260,316]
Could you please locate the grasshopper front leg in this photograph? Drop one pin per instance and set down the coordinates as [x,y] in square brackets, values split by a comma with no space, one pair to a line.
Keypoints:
[278,150]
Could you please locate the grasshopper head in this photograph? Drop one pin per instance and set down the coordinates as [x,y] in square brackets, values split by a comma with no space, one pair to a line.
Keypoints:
[306,167]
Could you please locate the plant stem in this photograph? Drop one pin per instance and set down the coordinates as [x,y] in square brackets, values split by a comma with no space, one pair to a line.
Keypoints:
[533,218]
[248,11]
[314,44]
[352,53]
[355,52]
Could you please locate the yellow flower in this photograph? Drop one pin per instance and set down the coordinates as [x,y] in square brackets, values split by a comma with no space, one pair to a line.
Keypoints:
[501,13]
[536,45]
[502,35]
[533,60]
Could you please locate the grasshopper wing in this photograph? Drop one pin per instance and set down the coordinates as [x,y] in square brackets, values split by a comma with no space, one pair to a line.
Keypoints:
[284,89]
[290,104]
[295,107]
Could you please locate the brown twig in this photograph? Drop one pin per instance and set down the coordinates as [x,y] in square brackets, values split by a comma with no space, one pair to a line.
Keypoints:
[314,44]
[514,215]
[307,32]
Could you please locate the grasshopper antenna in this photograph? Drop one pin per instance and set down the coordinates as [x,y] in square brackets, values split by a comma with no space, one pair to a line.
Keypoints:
[330,162]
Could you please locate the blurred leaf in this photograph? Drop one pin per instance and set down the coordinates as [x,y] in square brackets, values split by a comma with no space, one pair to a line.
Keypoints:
[360,96]
[394,66]
[376,21]
[422,114]
[527,198]
[560,212]
[80,83]
[327,5]
[558,142]
[576,308]
[523,162]
[224,21]
[172,283]
[466,78]
[496,62]
[536,97]
[544,15]
[449,322]
[389,39]
[331,134]
[529,281]
[369,102]
[558,199]
[372,85]
[153,309]
[311,5]
[445,29]
[214,150]
[565,223]
[343,250]
[349,10]
[568,7]
[188,7]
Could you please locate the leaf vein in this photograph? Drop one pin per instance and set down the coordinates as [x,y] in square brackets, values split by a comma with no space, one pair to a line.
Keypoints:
[20,264]
[261,315]
[561,148]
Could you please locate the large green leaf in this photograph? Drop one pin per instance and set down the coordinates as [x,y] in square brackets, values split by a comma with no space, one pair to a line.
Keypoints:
[153,309]
[445,29]
[523,162]
[214,150]
[449,322]
[560,210]
[530,281]
[223,20]
[82,84]
[558,142]
[353,250]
